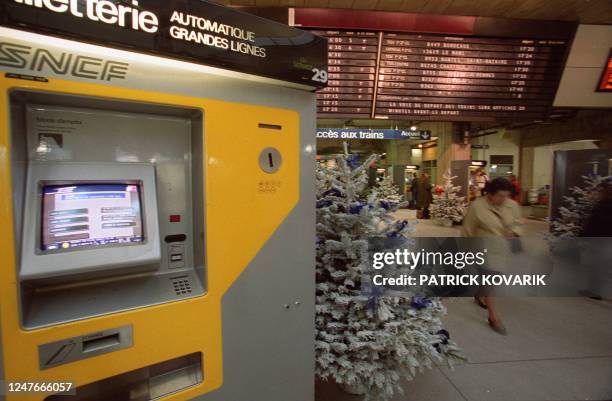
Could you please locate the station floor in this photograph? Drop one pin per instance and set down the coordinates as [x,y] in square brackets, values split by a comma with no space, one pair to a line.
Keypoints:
[557,349]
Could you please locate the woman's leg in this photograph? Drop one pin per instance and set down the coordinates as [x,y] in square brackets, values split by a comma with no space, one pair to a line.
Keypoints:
[494,320]
[488,300]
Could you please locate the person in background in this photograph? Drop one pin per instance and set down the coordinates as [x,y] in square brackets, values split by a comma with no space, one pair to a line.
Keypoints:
[414,190]
[473,190]
[516,193]
[481,180]
[424,196]
[494,214]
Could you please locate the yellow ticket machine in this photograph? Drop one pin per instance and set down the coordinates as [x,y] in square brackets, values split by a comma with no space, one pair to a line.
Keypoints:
[157,202]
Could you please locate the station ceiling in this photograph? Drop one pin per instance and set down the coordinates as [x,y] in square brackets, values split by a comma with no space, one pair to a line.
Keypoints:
[583,11]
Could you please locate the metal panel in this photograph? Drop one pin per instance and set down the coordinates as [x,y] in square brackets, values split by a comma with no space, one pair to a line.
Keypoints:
[46,308]
[268,313]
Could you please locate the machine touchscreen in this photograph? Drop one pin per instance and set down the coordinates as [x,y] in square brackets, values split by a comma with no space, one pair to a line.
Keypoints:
[90,215]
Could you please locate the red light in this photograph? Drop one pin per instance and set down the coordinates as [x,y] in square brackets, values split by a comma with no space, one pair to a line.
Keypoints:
[175,218]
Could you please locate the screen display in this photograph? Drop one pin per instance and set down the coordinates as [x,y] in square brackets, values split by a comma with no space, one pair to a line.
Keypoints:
[414,76]
[85,214]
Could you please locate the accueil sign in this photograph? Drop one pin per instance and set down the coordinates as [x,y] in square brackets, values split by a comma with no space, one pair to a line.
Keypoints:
[182,26]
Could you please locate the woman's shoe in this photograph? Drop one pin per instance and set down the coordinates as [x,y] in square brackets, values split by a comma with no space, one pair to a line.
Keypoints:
[479,302]
[498,327]
[589,294]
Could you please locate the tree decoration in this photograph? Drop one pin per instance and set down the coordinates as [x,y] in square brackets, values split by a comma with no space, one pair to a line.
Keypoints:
[577,208]
[447,204]
[387,191]
[365,338]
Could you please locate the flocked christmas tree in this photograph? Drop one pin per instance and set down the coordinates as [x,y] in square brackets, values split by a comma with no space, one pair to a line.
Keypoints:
[386,190]
[366,339]
[577,207]
[448,205]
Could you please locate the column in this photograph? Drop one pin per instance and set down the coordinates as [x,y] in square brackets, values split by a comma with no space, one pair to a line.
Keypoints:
[450,146]
[398,156]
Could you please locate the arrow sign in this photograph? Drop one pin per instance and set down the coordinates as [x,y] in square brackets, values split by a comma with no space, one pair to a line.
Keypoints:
[421,134]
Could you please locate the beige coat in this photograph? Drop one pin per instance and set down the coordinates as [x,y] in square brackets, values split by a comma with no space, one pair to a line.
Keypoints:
[491,224]
[485,220]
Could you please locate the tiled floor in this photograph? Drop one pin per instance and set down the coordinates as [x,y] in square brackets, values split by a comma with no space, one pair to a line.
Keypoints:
[557,349]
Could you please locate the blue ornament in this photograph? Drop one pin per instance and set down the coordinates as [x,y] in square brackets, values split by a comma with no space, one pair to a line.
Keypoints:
[374,292]
[324,203]
[355,208]
[420,302]
[401,224]
[332,192]
[399,227]
[352,161]
[444,337]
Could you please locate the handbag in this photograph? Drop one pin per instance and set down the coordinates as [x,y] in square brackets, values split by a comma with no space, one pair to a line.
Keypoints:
[516,245]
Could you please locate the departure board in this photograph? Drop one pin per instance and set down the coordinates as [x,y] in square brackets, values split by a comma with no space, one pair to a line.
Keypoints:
[352,66]
[439,77]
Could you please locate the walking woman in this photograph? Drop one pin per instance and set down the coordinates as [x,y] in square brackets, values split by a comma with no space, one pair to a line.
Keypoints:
[494,214]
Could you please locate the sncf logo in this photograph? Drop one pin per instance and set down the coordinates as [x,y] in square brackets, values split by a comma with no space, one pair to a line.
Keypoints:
[104,11]
[31,58]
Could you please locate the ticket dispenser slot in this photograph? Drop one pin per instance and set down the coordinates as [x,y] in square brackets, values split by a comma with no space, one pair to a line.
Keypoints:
[113,197]
[105,342]
[81,347]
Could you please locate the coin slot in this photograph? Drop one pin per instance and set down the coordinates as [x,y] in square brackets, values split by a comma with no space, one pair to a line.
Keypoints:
[270,160]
